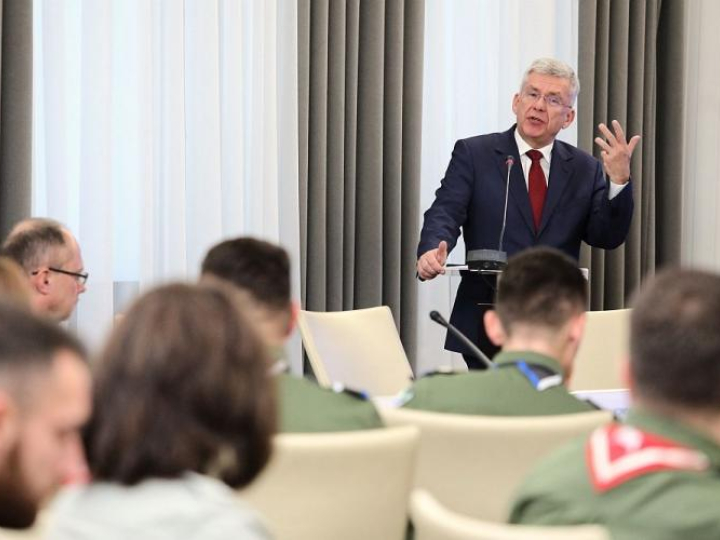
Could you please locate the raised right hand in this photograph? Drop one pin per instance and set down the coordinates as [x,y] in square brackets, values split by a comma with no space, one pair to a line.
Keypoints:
[432,262]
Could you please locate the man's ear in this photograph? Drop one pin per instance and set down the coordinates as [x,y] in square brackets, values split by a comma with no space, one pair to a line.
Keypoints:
[8,423]
[569,118]
[494,328]
[294,312]
[625,373]
[577,327]
[515,101]
[40,282]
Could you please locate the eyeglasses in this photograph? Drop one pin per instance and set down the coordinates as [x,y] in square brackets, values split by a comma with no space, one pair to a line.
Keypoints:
[80,277]
[552,100]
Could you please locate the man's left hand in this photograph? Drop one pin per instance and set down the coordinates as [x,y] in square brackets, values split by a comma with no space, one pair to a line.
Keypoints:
[616,152]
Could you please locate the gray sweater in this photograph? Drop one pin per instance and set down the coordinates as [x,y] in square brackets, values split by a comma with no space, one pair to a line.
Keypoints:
[194,507]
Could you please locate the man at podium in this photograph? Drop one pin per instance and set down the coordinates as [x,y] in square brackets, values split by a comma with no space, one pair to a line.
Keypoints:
[557,195]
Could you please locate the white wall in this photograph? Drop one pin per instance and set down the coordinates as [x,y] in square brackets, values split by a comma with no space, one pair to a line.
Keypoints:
[701,178]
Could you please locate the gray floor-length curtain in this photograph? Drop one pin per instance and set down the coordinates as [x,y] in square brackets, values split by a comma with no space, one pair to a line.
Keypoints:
[631,68]
[15,112]
[360,92]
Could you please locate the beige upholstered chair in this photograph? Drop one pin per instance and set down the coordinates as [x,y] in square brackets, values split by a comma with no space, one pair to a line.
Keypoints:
[604,345]
[360,349]
[473,464]
[433,521]
[351,485]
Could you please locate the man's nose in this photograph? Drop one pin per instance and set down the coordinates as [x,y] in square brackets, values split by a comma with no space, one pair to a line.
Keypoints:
[540,104]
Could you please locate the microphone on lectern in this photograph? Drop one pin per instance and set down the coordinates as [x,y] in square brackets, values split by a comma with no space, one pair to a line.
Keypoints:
[493,259]
[435,316]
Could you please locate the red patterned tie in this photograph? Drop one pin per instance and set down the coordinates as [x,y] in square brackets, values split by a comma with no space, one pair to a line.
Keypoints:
[537,186]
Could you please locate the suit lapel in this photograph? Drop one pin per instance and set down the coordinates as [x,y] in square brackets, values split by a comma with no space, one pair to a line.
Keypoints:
[560,173]
[518,189]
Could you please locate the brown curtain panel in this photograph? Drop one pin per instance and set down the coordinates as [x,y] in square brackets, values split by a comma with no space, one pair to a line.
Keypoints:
[360,92]
[631,68]
[15,112]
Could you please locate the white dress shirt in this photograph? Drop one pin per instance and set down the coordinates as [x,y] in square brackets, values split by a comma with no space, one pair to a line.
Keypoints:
[546,151]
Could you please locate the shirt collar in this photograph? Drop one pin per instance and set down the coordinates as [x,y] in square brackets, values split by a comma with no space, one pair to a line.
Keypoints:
[672,429]
[279,365]
[510,357]
[523,147]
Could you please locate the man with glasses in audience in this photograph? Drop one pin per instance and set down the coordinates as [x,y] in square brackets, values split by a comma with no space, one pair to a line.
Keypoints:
[262,271]
[558,194]
[50,256]
[657,476]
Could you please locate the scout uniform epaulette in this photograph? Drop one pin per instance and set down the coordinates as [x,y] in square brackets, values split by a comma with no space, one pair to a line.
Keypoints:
[442,370]
[618,453]
[340,388]
[540,377]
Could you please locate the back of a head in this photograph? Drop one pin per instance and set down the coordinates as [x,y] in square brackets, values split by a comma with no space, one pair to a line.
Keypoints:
[35,242]
[260,268]
[36,399]
[675,340]
[14,286]
[27,348]
[541,287]
[183,385]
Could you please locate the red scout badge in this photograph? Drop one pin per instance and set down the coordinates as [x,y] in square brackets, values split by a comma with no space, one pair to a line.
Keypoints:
[616,453]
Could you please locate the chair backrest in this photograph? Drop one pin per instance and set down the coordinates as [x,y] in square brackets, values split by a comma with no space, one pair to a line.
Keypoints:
[360,349]
[605,342]
[432,521]
[474,464]
[350,485]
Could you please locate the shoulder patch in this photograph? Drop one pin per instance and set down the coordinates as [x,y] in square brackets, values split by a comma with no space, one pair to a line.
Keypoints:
[617,453]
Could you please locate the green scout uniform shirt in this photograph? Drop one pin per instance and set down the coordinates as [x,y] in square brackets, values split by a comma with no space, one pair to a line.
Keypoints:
[305,407]
[647,503]
[502,391]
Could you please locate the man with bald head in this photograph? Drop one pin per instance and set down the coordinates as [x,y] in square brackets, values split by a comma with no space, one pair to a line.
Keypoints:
[50,256]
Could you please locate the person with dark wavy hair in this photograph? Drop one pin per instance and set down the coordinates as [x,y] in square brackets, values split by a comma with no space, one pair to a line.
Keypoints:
[184,411]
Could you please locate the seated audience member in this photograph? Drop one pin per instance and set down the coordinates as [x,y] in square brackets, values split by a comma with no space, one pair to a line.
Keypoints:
[262,271]
[658,475]
[44,401]
[14,286]
[183,412]
[51,259]
[538,320]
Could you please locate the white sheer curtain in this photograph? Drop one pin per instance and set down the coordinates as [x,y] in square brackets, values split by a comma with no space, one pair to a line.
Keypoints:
[701,192]
[475,55]
[159,129]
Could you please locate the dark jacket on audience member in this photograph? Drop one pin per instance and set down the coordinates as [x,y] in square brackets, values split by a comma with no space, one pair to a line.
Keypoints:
[306,407]
[502,391]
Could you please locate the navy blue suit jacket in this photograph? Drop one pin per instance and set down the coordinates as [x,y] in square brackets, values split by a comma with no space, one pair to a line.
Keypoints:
[472,197]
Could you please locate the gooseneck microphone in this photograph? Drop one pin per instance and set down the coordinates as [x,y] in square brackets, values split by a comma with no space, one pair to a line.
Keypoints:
[509,161]
[491,259]
[435,316]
